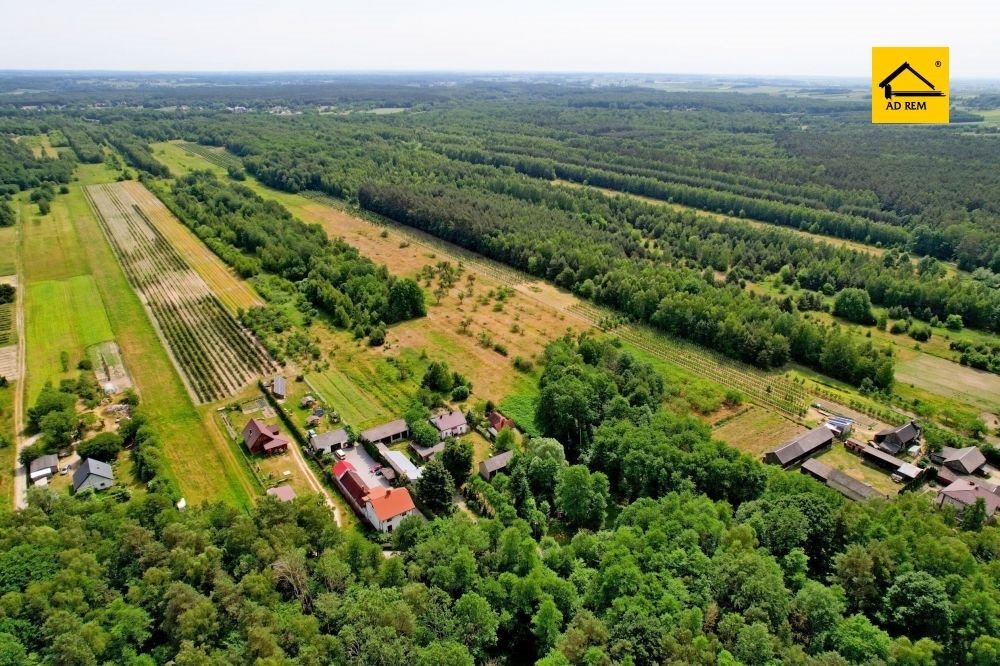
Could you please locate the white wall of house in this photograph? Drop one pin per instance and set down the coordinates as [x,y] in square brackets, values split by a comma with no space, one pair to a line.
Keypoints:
[388,525]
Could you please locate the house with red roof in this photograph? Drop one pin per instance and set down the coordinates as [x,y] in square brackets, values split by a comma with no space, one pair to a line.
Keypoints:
[260,437]
[385,508]
[497,423]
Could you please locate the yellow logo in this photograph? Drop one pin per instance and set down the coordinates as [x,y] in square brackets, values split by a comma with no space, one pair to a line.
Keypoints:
[910,84]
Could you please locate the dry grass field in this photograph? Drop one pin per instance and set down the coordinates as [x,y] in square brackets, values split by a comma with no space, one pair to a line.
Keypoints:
[951,380]
[756,431]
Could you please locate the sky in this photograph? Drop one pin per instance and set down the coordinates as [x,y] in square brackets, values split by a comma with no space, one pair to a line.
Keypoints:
[767,38]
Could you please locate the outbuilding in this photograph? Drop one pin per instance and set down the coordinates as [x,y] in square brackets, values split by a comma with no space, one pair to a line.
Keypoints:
[492,466]
[92,475]
[43,467]
[804,446]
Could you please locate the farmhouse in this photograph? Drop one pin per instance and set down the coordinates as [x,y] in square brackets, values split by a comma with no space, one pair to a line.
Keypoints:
[425,453]
[92,475]
[387,433]
[964,493]
[498,463]
[328,441]
[402,465]
[900,438]
[282,493]
[800,448]
[385,508]
[497,423]
[260,437]
[968,460]
[450,424]
[846,485]
[279,388]
[43,467]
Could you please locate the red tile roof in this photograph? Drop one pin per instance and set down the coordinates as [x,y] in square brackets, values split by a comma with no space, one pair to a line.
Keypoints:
[499,421]
[387,503]
[341,468]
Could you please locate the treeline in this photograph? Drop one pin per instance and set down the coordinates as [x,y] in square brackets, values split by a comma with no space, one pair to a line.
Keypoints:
[87,150]
[21,170]
[255,235]
[616,271]
[136,152]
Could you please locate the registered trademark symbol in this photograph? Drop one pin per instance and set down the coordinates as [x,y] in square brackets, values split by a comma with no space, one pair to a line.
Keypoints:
[937,63]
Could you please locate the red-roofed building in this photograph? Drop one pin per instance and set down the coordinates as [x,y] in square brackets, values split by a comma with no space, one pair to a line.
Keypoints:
[385,508]
[341,468]
[260,437]
[498,422]
[354,487]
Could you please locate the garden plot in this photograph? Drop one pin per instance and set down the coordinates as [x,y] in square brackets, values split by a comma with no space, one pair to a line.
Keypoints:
[109,368]
[214,354]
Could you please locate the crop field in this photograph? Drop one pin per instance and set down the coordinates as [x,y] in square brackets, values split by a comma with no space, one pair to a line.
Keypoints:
[214,353]
[197,457]
[8,240]
[7,324]
[770,389]
[235,294]
[947,378]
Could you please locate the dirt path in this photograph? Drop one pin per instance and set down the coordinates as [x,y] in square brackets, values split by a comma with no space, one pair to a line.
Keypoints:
[315,483]
[20,473]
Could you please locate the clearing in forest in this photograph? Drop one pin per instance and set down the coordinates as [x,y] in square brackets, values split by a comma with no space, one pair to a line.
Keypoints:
[216,356]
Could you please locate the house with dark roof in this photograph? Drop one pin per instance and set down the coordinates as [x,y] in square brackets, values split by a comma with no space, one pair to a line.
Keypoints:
[450,424]
[354,488]
[387,433]
[804,446]
[900,470]
[899,438]
[327,442]
[845,484]
[386,508]
[967,460]
[92,475]
[282,493]
[279,388]
[43,467]
[260,437]
[964,493]
[492,466]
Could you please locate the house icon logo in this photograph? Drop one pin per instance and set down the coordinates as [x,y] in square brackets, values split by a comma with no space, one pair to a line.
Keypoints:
[910,84]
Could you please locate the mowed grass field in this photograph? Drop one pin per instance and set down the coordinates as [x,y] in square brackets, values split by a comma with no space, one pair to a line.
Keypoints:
[66,256]
[8,242]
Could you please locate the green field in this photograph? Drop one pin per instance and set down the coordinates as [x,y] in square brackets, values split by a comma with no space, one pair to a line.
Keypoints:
[61,316]
[7,452]
[8,238]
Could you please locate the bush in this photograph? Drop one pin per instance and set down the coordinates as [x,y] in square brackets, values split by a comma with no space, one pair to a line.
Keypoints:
[85,364]
[460,393]
[920,332]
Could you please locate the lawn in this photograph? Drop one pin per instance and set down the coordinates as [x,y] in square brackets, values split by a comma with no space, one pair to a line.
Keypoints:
[61,317]
[200,461]
[50,245]
[840,458]
[8,238]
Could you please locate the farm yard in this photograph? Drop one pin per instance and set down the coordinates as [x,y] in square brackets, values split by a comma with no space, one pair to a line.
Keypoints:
[216,356]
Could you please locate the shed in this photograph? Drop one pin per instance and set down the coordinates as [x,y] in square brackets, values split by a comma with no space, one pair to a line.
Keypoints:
[425,453]
[800,448]
[491,466]
[279,388]
[387,432]
[92,475]
[402,465]
[328,441]
[43,467]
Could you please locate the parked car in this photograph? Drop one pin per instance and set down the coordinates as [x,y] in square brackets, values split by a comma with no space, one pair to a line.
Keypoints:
[340,454]
[375,468]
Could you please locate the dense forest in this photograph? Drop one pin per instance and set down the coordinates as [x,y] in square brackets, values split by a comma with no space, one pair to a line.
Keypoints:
[644,543]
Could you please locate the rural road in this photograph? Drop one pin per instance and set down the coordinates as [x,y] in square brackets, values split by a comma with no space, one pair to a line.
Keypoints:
[315,483]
